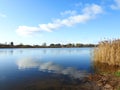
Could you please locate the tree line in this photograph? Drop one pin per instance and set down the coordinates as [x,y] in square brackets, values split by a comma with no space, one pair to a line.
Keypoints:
[44,45]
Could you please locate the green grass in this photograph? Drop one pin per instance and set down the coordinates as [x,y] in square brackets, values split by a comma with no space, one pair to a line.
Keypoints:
[117,73]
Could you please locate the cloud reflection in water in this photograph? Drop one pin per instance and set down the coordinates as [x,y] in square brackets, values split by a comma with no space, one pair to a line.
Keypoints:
[50,67]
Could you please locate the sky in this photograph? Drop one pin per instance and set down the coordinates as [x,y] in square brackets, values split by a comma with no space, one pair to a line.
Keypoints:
[59,21]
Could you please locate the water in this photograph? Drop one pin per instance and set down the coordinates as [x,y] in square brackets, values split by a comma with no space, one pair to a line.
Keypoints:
[43,68]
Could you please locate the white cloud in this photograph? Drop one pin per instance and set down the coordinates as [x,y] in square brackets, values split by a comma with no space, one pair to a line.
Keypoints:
[2,15]
[50,67]
[25,30]
[93,10]
[88,13]
[50,26]
[116,5]
[69,12]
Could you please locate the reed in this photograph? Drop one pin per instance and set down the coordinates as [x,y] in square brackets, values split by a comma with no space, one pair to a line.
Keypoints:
[108,52]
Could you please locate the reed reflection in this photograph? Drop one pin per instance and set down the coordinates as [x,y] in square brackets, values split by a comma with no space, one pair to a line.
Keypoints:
[105,67]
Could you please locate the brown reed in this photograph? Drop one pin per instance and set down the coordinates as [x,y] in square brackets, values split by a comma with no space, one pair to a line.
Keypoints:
[108,52]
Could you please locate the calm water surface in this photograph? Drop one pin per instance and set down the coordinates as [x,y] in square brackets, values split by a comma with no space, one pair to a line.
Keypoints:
[43,68]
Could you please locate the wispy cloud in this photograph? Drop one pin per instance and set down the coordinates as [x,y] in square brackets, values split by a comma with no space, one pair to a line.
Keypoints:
[88,13]
[116,6]
[3,15]
[69,12]
[50,67]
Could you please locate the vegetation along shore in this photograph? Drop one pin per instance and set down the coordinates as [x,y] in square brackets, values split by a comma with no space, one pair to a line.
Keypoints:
[107,65]
[44,45]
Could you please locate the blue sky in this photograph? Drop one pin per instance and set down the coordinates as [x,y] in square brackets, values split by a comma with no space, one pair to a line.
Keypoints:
[59,21]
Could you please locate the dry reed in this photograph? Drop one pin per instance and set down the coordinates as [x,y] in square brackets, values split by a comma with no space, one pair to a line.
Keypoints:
[108,52]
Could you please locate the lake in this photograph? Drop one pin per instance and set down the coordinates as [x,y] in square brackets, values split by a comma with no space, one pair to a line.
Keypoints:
[43,68]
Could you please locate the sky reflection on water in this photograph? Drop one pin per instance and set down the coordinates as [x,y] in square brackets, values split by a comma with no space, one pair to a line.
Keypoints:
[23,67]
[50,67]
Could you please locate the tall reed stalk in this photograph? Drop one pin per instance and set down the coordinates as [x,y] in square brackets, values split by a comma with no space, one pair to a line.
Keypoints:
[108,52]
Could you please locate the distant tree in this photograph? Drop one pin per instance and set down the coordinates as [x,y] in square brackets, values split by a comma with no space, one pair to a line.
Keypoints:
[52,45]
[11,43]
[70,45]
[79,45]
[58,45]
[73,45]
[64,45]
[36,46]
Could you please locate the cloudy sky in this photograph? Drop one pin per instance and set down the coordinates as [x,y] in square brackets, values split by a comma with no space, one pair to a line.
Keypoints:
[59,21]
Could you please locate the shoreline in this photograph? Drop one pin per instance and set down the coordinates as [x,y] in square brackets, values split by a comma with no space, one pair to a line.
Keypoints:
[101,82]
[51,47]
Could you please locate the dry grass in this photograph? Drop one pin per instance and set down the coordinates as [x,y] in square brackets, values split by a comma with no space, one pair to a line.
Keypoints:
[108,52]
